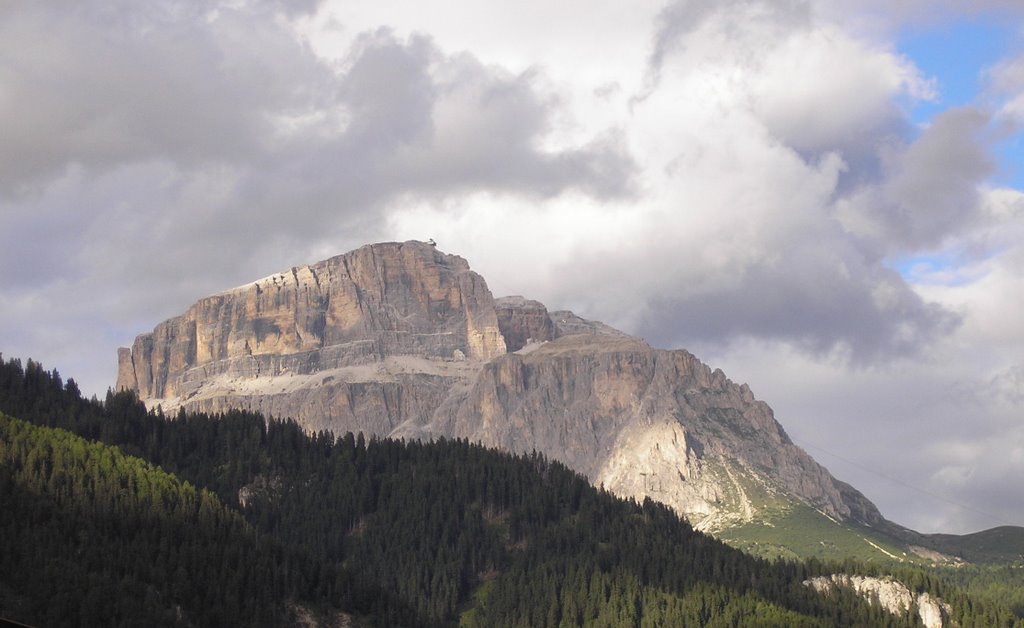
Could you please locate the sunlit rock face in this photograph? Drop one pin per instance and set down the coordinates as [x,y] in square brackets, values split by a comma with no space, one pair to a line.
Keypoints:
[641,422]
[400,339]
[891,595]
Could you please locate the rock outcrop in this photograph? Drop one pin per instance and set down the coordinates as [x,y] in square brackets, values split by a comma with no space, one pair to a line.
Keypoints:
[399,339]
[640,421]
[522,321]
[328,344]
[891,595]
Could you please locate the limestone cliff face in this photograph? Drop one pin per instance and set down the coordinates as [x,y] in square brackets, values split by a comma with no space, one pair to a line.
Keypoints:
[399,339]
[378,301]
[643,423]
[891,595]
[523,321]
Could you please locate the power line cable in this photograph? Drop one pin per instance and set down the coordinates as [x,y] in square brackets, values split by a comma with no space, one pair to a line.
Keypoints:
[996,519]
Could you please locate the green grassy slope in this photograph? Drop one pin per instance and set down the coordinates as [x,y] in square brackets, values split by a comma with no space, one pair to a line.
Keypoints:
[783,528]
[794,530]
[799,531]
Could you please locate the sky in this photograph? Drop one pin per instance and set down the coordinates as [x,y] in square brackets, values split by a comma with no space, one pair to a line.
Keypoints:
[823,198]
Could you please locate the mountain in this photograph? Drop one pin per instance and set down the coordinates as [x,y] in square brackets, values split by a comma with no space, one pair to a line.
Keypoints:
[402,340]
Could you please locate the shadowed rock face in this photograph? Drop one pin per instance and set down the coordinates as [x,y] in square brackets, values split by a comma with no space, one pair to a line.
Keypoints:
[399,339]
[523,321]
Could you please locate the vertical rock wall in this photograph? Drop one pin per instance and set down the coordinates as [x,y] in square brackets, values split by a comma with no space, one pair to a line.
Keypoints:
[522,321]
[378,301]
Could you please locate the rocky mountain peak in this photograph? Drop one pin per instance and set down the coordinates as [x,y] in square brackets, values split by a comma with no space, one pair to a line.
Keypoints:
[400,339]
[389,299]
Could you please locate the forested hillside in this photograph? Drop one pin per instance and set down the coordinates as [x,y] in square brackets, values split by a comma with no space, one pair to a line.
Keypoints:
[388,532]
[93,537]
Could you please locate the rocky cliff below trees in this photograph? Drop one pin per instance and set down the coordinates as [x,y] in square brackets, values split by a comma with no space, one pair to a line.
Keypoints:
[399,339]
[891,595]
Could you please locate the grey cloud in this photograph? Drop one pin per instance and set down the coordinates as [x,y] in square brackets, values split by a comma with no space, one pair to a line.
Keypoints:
[389,91]
[1008,385]
[427,124]
[921,438]
[201,93]
[675,21]
[156,152]
[1007,77]
[681,17]
[931,191]
[811,286]
[103,85]
[938,178]
[1005,86]
[900,13]
[954,477]
[821,298]
[487,128]
[824,288]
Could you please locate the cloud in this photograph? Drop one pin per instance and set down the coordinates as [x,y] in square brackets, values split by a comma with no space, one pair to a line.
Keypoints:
[230,122]
[763,129]
[739,178]
[923,439]
[936,181]
[811,297]
[197,146]
[886,17]
[1006,86]
[477,126]
[932,186]
[760,194]
[729,24]
[171,81]
[845,97]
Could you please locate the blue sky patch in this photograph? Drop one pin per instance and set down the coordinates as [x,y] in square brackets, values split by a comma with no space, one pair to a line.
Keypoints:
[956,56]
[938,269]
[912,267]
